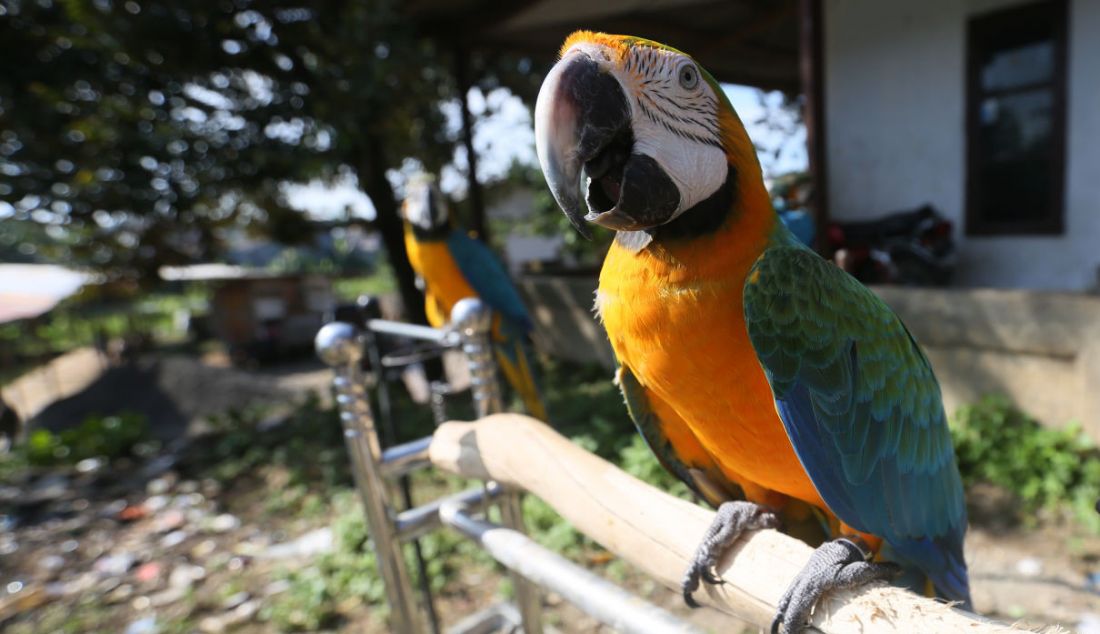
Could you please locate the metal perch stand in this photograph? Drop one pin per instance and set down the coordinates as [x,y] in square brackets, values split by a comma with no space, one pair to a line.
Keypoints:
[341,346]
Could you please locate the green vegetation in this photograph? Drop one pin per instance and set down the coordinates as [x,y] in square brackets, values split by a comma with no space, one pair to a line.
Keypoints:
[1045,468]
[996,444]
[296,475]
[105,437]
[97,437]
[300,470]
[380,282]
[78,323]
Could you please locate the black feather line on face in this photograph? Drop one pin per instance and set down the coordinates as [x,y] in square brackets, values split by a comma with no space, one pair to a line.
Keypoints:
[712,114]
[683,134]
[687,120]
[655,83]
[704,218]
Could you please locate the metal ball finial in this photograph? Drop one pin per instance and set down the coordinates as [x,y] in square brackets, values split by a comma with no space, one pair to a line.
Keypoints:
[338,344]
[471,316]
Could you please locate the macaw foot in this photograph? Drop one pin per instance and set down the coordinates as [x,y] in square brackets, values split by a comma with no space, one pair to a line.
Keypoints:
[732,519]
[841,563]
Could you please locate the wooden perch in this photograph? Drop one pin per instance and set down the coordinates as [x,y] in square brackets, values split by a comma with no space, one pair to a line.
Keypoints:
[658,533]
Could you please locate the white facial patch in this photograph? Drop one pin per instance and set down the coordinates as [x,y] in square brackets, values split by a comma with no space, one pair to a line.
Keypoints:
[675,121]
[697,170]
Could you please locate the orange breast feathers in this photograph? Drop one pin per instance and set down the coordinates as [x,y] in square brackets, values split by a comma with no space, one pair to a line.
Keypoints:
[675,318]
[444,284]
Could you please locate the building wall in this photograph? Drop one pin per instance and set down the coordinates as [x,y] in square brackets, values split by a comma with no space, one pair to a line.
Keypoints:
[1040,350]
[895,99]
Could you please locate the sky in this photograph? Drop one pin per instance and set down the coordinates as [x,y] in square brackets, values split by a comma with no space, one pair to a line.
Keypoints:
[504,134]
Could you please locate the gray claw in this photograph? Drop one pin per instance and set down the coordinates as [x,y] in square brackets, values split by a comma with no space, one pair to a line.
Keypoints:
[841,563]
[731,520]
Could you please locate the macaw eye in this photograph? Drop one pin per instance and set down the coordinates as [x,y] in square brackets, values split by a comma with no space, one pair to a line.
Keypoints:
[689,77]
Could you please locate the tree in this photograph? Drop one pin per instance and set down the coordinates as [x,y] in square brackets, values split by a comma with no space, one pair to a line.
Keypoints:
[141,129]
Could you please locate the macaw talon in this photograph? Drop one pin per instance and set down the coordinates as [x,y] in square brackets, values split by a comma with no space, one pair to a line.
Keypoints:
[839,564]
[731,520]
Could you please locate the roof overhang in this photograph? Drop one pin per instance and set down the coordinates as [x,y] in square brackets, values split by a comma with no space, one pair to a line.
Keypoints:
[753,42]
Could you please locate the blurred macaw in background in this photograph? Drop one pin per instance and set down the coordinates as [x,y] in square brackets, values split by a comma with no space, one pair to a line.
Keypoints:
[452,266]
[751,366]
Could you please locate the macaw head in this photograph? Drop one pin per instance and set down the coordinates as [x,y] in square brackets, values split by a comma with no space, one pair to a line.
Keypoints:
[425,207]
[638,131]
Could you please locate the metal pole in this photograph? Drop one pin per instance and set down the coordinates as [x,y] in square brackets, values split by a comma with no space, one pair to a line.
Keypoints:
[473,321]
[368,307]
[425,518]
[598,597]
[339,345]
[412,331]
[405,458]
[440,390]
[811,65]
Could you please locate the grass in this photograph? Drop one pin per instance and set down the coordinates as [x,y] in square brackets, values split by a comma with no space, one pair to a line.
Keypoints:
[1052,469]
[296,475]
[77,323]
[105,437]
[1047,469]
[300,473]
[380,282]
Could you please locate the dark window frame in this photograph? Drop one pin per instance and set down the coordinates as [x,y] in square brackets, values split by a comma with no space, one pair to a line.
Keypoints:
[1001,27]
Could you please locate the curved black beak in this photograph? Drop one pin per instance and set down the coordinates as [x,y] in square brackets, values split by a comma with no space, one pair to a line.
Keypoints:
[581,111]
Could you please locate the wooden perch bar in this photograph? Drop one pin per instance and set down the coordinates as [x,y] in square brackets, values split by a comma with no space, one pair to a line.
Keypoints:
[658,533]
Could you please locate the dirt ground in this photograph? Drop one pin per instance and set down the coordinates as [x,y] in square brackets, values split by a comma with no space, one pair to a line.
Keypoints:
[150,543]
[177,392]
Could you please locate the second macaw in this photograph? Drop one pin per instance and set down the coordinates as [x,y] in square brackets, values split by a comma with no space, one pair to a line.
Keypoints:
[453,266]
[751,366]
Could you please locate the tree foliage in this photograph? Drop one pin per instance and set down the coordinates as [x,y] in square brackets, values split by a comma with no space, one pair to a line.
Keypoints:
[140,130]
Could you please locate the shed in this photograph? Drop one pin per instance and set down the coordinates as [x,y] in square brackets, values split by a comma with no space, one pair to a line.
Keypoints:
[260,315]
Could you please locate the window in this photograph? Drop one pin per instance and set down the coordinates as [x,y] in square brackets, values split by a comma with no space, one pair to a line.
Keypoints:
[1016,67]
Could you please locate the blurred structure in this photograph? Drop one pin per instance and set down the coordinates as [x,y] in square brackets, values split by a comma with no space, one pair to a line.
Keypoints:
[260,316]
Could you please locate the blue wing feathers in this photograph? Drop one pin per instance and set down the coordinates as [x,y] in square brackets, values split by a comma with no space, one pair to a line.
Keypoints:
[487,276]
[862,409]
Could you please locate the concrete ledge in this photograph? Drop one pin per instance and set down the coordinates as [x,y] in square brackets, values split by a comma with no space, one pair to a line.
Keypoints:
[1040,349]
[1030,322]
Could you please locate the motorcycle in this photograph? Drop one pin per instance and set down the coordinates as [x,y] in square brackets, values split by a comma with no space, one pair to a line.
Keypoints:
[907,248]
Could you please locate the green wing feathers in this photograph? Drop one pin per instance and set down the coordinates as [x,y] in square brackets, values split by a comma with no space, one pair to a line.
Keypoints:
[861,407]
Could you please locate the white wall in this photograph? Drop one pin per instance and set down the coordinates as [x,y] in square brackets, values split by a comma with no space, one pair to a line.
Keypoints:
[895,98]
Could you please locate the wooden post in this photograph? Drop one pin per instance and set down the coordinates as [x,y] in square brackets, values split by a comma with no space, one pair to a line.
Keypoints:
[811,51]
[658,533]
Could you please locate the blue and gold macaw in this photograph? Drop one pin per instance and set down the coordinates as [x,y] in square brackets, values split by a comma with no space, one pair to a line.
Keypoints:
[453,266]
[752,367]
